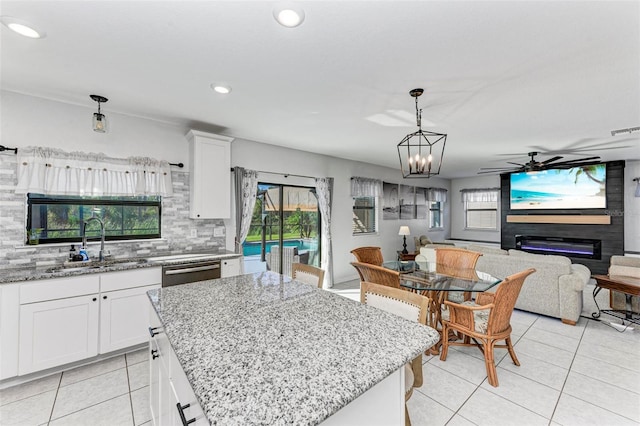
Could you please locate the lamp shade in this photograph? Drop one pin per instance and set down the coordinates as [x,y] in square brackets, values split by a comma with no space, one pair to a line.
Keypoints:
[404,230]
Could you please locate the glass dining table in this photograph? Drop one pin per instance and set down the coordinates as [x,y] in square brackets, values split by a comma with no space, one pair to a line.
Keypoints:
[436,282]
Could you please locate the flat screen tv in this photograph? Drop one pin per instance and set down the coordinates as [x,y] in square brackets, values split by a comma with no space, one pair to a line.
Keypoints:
[582,187]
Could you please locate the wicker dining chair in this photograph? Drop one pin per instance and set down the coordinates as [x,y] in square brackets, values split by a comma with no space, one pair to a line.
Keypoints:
[372,255]
[377,274]
[486,321]
[411,306]
[457,262]
[307,274]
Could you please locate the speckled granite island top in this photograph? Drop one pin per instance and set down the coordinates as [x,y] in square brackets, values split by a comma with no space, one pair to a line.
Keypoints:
[261,349]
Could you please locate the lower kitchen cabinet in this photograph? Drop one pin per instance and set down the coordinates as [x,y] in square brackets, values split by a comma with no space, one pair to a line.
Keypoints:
[57,332]
[231,267]
[171,395]
[124,318]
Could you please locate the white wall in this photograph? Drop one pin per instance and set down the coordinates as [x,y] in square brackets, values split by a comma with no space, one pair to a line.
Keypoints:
[631,208]
[457,208]
[263,157]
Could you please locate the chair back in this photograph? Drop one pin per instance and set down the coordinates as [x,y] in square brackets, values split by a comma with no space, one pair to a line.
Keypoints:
[377,274]
[505,301]
[408,305]
[307,274]
[372,255]
[457,262]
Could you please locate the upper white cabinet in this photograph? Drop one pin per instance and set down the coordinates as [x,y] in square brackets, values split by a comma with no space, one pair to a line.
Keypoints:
[210,177]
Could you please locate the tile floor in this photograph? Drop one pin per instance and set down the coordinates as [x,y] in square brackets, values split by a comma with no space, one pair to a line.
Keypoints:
[583,375]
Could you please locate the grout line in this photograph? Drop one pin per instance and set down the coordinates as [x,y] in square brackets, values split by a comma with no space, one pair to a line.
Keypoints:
[133,417]
[55,399]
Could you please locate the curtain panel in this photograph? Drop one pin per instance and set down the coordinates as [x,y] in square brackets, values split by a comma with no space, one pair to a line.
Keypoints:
[246,188]
[480,195]
[324,191]
[437,194]
[366,187]
[52,171]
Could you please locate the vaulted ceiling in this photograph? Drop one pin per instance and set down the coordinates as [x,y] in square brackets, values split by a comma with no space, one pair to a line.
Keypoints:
[500,78]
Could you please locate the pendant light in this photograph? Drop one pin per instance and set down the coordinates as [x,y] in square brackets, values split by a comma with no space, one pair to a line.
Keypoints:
[421,152]
[99,119]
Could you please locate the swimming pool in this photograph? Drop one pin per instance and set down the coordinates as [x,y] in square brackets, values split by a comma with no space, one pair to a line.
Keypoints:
[253,248]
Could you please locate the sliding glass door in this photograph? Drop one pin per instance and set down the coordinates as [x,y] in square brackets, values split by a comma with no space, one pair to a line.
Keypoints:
[285,228]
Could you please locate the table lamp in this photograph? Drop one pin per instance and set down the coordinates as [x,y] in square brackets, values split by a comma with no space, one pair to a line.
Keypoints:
[404,231]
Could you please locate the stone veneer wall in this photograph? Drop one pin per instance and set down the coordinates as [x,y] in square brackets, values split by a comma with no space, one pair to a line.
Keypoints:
[176,227]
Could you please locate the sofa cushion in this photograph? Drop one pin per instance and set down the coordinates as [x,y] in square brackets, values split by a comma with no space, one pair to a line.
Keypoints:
[486,249]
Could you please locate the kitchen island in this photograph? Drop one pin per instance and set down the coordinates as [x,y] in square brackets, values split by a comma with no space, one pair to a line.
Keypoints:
[264,349]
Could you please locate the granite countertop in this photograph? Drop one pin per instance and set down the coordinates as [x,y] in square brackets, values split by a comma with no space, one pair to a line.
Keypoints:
[71,269]
[262,349]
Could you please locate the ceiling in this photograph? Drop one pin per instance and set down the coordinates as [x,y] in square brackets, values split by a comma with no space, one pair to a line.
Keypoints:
[500,78]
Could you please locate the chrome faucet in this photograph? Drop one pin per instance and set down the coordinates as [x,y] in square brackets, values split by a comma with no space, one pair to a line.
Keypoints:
[84,236]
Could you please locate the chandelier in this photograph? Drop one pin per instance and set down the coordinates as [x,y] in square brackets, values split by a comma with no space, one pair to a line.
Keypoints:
[421,152]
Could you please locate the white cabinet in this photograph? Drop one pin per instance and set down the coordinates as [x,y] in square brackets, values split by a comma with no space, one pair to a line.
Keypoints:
[230,267]
[124,318]
[169,385]
[57,332]
[63,320]
[210,176]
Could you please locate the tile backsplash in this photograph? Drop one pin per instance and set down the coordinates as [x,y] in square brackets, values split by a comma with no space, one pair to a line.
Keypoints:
[177,228]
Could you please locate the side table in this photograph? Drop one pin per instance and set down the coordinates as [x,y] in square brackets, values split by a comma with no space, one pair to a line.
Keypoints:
[630,286]
[404,257]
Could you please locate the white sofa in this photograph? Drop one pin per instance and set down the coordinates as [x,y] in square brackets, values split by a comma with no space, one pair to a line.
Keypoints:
[555,289]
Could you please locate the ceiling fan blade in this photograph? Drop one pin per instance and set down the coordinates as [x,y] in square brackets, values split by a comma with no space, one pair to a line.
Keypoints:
[517,164]
[551,160]
[496,168]
[577,161]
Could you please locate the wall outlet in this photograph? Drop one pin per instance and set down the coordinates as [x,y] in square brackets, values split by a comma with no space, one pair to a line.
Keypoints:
[194,233]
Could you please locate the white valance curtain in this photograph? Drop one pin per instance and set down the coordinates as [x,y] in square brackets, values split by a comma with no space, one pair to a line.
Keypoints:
[366,187]
[480,195]
[437,194]
[52,171]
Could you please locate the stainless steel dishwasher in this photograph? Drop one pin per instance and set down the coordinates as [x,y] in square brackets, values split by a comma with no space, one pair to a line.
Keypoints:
[190,272]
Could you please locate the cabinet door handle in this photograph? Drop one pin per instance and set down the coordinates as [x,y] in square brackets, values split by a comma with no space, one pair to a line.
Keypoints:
[104,297]
[153,332]
[94,299]
[181,409]
[154,354]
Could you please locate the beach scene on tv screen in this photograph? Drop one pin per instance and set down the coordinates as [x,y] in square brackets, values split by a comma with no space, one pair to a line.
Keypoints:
[581,187]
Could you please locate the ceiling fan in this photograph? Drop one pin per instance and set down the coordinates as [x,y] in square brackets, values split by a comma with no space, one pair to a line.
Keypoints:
[533,165]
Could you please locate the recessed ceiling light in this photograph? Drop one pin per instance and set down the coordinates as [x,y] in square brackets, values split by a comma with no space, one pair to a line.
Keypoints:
[21,27]
[289,16]
[221,89]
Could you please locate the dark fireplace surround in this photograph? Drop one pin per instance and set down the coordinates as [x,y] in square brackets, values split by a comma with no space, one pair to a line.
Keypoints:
[584,248]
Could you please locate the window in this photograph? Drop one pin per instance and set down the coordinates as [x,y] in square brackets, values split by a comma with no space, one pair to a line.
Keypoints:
[481,208]
[435,214]
[55,219]
[364,215]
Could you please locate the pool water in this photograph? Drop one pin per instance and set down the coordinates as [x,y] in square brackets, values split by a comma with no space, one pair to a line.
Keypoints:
[253,249]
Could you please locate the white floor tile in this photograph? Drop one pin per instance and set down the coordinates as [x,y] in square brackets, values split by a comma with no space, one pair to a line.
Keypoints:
[138,375]
[462,365]
[537,370]
[425,411]
[92,370]
[542,351]
[487,408]
[137,356]
[25,390]
[458,420]
[598,333]
[525,392]
[140,403]
[552,339]
[554,325]
[604,395]
[608,373]
[576,412]
[523,317]
[86,393]
[444,387]
[34,410]
[611,355]
[114,412]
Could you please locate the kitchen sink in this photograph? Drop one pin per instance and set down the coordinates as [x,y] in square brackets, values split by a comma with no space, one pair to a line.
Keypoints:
[96,265]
